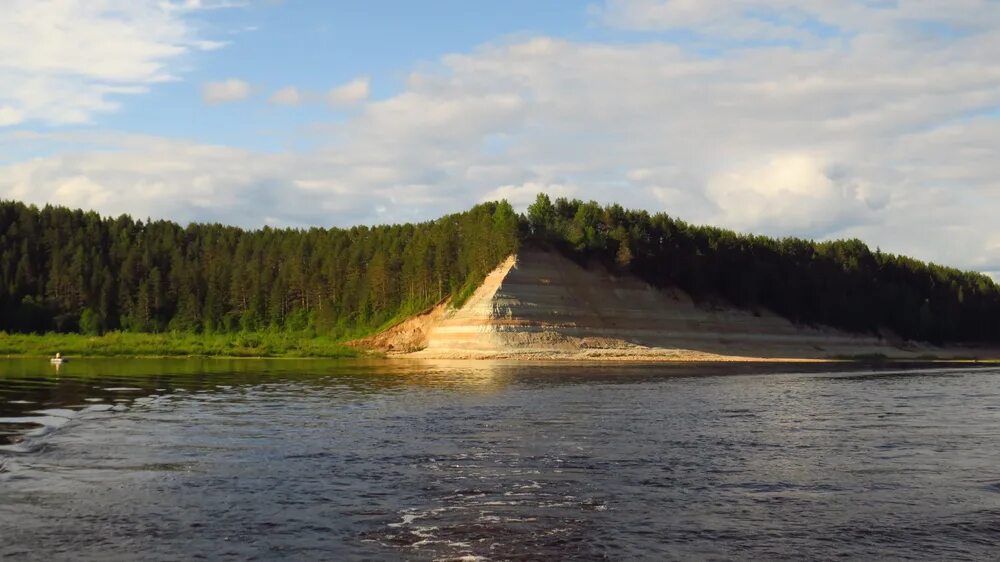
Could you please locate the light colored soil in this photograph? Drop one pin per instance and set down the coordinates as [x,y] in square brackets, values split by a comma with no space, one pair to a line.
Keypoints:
[541,306]
[408,336]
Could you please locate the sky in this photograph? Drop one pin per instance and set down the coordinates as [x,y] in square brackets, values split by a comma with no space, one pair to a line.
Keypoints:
[875,119]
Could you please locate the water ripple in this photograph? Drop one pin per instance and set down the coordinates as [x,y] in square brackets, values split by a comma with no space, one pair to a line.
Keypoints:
[340,460]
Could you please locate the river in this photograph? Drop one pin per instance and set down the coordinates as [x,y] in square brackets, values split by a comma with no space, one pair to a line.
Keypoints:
[350,460]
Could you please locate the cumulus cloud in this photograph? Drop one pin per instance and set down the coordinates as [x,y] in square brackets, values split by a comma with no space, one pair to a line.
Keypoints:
[62,61]
[160,178]
[10,116]
[882,130]
[523,195]
[703,16]
[225,91]
[790,193]
[287,96]
[353,92]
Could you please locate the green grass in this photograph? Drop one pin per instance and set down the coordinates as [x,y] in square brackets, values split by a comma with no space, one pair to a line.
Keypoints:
[124,344]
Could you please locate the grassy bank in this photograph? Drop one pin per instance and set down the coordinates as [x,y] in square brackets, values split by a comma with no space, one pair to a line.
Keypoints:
[123,344]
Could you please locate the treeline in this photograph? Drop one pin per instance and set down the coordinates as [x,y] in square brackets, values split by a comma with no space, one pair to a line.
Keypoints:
[73,271]
[67,270]
[842,284]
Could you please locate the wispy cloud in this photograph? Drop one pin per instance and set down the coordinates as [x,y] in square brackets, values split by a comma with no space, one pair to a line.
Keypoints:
[225,91]
[800,19]
[63,61]
[352,93]
[347,95]
[287,96]
[522,195]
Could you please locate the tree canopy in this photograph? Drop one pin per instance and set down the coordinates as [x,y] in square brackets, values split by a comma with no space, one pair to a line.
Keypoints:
[68,270]
[840,283]
[74,271]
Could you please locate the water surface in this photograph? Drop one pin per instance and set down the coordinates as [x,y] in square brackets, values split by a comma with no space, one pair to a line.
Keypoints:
[250,459]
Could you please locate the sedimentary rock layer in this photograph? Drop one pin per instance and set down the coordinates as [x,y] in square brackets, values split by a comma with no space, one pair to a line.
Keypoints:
[539,304]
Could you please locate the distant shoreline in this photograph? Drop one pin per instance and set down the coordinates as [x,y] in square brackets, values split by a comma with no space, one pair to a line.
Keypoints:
[546,361]
[540,306]
[281,345]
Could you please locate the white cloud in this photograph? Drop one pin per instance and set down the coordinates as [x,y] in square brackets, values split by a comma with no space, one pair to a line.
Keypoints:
[522,195]
[10,116]
[353,92]
[147,176]
[62,61]
[790,193]
[183,181]
[800,20]
[287,96]
[225,91]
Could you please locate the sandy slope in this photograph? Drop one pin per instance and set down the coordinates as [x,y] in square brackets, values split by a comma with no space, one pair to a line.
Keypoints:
[540,305]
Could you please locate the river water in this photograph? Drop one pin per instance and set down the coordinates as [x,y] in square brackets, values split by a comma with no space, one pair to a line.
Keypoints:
[203,459]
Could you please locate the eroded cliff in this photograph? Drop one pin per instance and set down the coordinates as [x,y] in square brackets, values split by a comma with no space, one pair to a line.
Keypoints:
[541,305]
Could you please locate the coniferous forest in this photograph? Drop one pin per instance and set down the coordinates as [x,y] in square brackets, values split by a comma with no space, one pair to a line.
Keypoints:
[842,283]
[65,270]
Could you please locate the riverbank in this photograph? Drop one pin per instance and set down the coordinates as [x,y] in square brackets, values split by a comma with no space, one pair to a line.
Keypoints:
[539,306]
[123,344]
[130,345]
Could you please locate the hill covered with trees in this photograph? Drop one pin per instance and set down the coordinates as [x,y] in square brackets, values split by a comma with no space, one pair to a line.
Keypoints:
[67,270]
[73,271]
[842,283]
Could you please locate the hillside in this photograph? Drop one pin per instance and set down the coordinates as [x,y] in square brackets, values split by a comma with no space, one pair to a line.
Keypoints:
[541,305]
[65,270]
[841,283]
[627,275]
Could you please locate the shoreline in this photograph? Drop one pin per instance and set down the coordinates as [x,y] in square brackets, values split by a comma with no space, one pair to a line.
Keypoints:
[305,346]
[535,360]
[539,306]
[684,359]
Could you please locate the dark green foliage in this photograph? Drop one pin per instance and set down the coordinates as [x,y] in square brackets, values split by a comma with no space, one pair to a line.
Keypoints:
[89,322]
[66,271]
[842,283]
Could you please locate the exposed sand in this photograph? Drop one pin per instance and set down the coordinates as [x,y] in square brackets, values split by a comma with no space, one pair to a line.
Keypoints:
[542,306]
[407,336]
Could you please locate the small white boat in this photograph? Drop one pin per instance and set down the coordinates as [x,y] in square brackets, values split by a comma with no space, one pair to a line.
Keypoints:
[58,360]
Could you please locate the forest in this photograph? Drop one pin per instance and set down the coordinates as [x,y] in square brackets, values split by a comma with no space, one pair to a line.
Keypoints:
[842,283]
[71,271]
[65,270]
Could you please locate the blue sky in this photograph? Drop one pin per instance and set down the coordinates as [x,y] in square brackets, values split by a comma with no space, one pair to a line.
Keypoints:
[815,118]
[317,45]
[321,44]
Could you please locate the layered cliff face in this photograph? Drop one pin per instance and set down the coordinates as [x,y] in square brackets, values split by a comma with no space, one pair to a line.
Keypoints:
[541,305]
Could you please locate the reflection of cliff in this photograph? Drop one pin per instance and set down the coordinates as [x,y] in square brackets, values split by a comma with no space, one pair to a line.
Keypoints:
[542,305]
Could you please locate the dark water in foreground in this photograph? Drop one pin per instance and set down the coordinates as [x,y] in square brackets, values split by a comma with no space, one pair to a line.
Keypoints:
[168,460]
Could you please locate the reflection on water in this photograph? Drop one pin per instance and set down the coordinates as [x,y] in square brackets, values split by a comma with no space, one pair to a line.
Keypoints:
[177,459]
